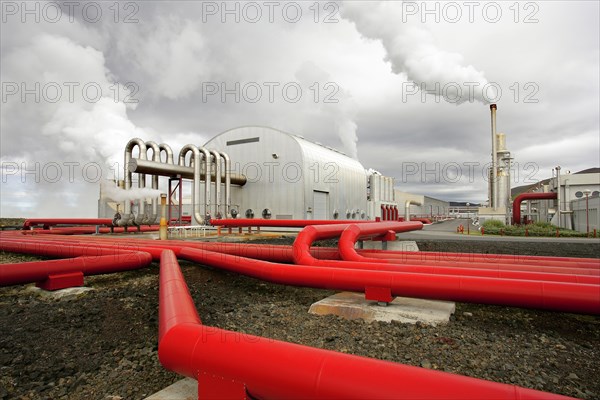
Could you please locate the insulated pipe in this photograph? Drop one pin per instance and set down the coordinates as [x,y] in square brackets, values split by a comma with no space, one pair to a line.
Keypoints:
[284,254]
[36,271]
[282,223]
[352,233]
[533,294]
[308,235]
[31,222]
[155,157]
[152,248]
[407,208]
[227,160]
[540,266]
[207,180]
[172,170]
[168,151]
[88,260]
[216,157]
[286,370]
[490,258]
[528,196]
[195,161]
[126,218]
[557,296]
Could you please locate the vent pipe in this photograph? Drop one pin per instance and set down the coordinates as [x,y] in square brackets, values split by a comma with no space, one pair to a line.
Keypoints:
[494,177]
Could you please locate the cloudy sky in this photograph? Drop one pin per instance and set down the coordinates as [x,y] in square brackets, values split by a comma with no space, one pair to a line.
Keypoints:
[404,87]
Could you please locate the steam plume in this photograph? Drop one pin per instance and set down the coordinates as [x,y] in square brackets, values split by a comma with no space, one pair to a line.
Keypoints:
[412,50]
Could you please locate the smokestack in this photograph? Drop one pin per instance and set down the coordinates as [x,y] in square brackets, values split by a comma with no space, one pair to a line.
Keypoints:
[494,177]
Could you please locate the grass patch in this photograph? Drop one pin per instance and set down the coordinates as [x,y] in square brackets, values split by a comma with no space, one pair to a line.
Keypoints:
[537,229]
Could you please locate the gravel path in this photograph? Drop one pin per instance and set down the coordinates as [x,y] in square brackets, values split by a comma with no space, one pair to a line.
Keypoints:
[103,344]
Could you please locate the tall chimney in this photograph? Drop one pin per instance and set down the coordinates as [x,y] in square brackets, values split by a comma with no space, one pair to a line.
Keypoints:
[494,177]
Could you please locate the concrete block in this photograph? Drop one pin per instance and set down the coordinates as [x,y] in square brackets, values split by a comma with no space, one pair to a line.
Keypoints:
[404,309]
[185,389]
[396,245]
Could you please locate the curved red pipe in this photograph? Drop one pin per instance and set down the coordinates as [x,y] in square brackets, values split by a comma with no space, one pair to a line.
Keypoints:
[286,370]
[534,294]
[283,253]
[528,196]
[308,235]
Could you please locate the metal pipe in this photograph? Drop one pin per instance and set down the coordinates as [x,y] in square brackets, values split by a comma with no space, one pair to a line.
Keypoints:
[407,208]
[126,218]
[558,296]
[195,161]
[529,196]
[168,151]
[85,259]
[494,178]
[286,370]
[173,170]
[282,223]
[227,160]
[284,254]
[207,172]
[310,234]
[558,197]
[46,222]
[352,233]
[155,157]
[216,158]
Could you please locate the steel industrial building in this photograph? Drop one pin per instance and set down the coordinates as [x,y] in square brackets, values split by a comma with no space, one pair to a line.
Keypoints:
[260,172]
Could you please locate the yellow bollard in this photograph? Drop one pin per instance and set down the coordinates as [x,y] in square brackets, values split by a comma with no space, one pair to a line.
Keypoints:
[162,230]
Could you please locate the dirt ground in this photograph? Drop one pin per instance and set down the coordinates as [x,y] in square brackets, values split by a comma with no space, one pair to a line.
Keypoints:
[102,344]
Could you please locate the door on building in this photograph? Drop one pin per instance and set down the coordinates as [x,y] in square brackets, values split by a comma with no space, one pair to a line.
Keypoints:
[320,205]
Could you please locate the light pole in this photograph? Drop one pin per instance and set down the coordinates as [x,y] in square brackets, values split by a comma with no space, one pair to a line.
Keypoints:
[587,210]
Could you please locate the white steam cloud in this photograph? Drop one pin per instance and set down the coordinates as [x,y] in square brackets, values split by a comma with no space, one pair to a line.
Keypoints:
[412,50]
[114,193]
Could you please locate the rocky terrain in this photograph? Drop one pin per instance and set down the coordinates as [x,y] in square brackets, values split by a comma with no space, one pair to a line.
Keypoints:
[102,343]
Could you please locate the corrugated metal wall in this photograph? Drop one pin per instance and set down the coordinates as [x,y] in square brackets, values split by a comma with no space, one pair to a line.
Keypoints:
[285,173]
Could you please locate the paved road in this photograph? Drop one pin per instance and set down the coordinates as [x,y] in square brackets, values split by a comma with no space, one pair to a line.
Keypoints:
[447,231]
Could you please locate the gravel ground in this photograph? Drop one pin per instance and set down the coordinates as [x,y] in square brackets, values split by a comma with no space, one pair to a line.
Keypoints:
[102,344]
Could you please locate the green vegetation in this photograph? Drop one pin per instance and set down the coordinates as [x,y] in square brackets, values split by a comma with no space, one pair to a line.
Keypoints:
[539,229]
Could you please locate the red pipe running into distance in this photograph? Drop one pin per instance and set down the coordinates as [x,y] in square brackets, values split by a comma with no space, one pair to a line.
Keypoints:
[285,370]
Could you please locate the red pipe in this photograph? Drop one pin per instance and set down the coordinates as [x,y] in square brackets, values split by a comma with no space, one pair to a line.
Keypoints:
[66,221]
[528,196]
[557,296]
[284,223]
[308,235]
[82,230]
[354,232]
[534,294]
[543,266]
[283,254]
[89,260]
[486,258]
[284,370]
